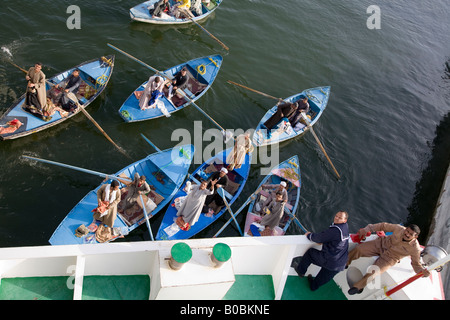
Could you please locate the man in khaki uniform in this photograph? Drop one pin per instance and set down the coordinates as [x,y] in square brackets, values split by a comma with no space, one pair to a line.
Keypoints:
[401,243]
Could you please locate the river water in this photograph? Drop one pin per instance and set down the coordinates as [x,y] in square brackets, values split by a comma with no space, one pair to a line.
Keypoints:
[389,92]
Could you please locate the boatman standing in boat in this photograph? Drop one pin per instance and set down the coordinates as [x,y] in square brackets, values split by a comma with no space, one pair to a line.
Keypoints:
[242,146]
[71,85]
[401,243]
[36,91]
[333,256]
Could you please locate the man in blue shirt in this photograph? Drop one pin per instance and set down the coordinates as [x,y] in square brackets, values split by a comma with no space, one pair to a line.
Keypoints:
[333,256]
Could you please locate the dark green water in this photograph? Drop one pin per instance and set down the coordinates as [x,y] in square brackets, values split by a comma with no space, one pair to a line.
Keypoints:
[389,92]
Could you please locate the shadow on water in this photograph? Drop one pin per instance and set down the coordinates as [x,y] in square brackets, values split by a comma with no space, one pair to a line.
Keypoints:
[428,188]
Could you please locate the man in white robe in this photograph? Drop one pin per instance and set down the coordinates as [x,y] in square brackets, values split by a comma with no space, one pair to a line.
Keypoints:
[191,208]
[152,92]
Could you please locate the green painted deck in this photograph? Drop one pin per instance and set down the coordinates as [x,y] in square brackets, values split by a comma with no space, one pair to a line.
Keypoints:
[137,287]
[94,288]
[259,287]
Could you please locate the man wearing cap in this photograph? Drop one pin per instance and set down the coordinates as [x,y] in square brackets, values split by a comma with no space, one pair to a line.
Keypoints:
[274,189]
[221,182]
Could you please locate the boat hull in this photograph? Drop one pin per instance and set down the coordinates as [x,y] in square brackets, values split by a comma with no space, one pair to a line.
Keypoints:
[201,72]
[168,229]
[171,164]
[291,169]
[95,74]
[317,99]
[141,13]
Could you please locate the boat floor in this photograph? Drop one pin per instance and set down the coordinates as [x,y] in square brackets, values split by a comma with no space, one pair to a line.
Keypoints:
[137,287]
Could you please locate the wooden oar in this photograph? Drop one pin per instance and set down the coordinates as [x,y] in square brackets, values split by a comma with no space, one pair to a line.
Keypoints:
[295,219]
[307,123]
[222,194]
[207,32]
[85,113]
[237,212]
[166,76]
[96,173]
[150,143]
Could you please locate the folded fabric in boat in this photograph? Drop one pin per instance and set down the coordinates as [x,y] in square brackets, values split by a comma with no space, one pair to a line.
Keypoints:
[13,125]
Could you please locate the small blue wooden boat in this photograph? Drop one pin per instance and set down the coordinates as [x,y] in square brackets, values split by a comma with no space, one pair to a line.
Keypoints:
[95,75]
[201,73]
[289,172]
[317,99]
[169,230]
[141,13]
[165,171]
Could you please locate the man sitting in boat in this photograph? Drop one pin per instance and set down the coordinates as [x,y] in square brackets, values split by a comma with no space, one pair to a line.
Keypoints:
[181,9]
[191,208]
[108,197]
[296,117]
[284,110]
[401,243]
[178,82]
[70,85]
[134,190]
[273,213]
[152,92]
[271,195]
[160,8]
[217,180]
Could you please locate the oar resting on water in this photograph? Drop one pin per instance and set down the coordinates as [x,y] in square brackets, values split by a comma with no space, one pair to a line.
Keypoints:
[303,116]
[96,173]
[190,17]
[71,96]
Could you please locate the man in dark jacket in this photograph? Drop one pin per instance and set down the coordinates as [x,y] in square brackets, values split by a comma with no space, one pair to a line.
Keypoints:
[284,110]
[333,256]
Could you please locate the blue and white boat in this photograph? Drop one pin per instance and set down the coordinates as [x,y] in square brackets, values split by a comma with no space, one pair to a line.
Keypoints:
[237,178]
[289,172]
[95,75]
[201,73]
[141,13]
[317,99]
[165,172]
